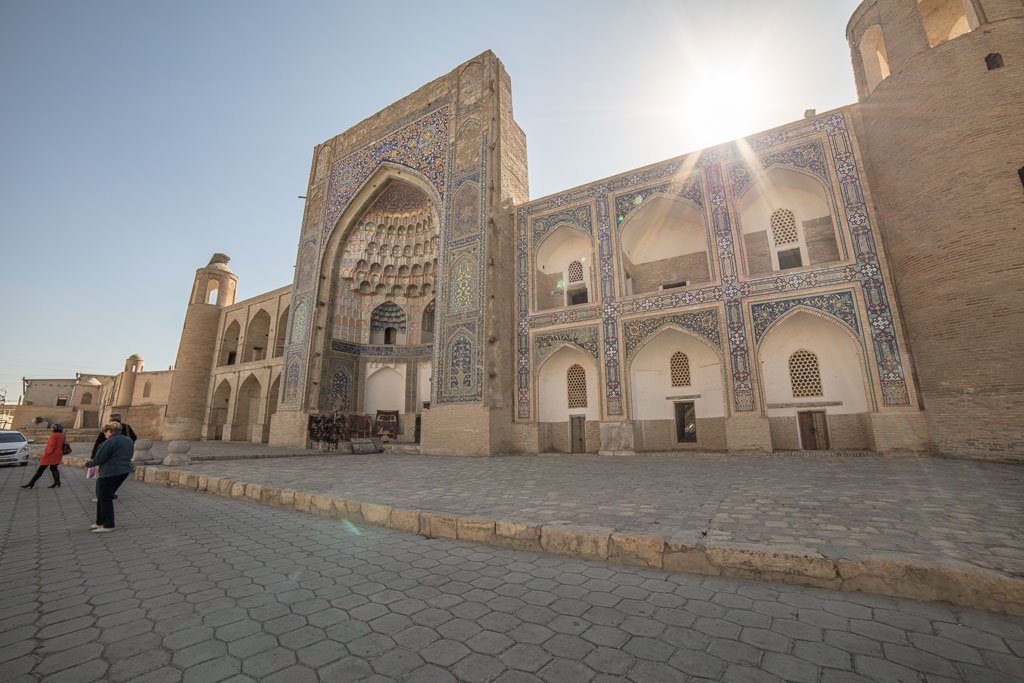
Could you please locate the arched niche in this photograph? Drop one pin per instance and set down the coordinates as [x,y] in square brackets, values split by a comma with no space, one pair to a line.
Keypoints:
[229,344]
[664,245]
[843,398]
[247,409]
[553,386]
[427,324]
[388,325]
[874,57]
[219,411]
[562,248]
[947,19]
[652,393]
[371,251]
[282,329]
[384,389]
[781,196]
[257,337]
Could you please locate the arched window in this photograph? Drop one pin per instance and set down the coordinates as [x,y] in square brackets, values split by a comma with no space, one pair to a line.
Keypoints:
[386,322]
[575,272]
[804,374]
[873,56]
[576,380]
[86,398]
[212,288]
[147,390]
[680,367]
[946,19]
[427,326]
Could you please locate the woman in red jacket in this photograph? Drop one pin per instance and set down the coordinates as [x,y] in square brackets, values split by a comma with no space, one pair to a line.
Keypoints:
[52,455]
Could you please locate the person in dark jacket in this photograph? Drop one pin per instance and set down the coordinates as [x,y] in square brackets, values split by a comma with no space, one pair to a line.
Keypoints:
[114,458]
[126,430]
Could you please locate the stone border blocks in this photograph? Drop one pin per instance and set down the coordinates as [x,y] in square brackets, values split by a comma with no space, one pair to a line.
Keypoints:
[902,576]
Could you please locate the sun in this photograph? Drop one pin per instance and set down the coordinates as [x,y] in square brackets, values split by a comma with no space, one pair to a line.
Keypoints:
[726,103]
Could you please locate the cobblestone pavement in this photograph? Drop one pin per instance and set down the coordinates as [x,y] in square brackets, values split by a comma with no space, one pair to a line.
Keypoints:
[842,507]
[202,588]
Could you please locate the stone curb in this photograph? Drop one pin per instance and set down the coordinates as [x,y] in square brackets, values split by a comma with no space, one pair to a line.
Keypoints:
[900,576]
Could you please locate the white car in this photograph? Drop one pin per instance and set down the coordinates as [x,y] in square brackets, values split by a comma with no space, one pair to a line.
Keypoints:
[13,448]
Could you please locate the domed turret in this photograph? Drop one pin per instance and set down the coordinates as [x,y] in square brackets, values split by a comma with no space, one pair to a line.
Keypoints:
[940,84]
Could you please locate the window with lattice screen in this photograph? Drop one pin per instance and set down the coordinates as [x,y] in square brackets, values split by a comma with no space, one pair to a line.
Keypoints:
[680,367]
[576,379]
[575,272]
[784,227]
[804,374]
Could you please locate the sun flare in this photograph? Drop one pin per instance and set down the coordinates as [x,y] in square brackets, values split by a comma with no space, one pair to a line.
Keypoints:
[721,105]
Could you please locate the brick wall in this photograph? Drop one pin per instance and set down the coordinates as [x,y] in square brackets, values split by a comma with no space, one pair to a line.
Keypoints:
[820,238]
[785,433]
[690,267]
[759,258]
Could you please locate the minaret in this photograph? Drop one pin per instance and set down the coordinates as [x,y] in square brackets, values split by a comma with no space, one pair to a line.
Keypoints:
[940,84]
[126,388]
[214,289]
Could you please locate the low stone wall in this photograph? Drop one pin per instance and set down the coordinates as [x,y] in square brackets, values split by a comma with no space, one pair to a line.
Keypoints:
[960,584]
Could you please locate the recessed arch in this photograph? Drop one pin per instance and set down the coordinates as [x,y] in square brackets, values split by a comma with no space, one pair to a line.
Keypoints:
[563,246]
[553,389]
[257,337]
[219,406]
[874,57]
[282,329]
[664,243]
[786,191]
[947,19]
[649,368]
[841,363]
[229,344]
[247,410]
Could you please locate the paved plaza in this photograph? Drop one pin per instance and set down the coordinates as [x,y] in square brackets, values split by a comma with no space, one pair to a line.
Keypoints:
[198,587]
[931,509]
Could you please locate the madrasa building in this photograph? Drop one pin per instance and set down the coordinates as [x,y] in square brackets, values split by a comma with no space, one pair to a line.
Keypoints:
[848,281]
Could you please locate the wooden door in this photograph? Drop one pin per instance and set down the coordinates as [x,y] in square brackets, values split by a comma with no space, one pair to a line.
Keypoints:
[577,434]
[813,430]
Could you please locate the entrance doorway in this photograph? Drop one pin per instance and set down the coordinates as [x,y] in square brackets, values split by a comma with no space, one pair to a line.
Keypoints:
[686,423]
[813,430]
[577,434]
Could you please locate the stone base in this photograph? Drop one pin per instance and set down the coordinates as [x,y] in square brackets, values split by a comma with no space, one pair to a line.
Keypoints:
[289,428]
[748,433]
[617,438]
[900,432]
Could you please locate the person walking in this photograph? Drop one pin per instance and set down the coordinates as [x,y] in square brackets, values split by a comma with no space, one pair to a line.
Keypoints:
[114,458]
[52,456]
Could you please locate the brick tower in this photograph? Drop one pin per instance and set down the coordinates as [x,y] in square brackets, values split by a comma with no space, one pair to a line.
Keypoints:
[941,84]
[214,288]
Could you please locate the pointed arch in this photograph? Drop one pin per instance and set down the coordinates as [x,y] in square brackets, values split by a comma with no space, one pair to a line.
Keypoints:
[229,344]
[650,368]
[773,197]
[874,58]
[664,242]
[563,246]
[219,406]
[257,337]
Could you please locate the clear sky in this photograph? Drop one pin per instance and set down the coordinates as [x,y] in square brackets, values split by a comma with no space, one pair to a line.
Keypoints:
[137,138]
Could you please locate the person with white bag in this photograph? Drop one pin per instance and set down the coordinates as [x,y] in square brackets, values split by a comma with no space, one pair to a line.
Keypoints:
[114,460]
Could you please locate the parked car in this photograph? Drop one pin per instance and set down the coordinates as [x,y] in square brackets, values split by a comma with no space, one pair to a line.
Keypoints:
[13,448]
